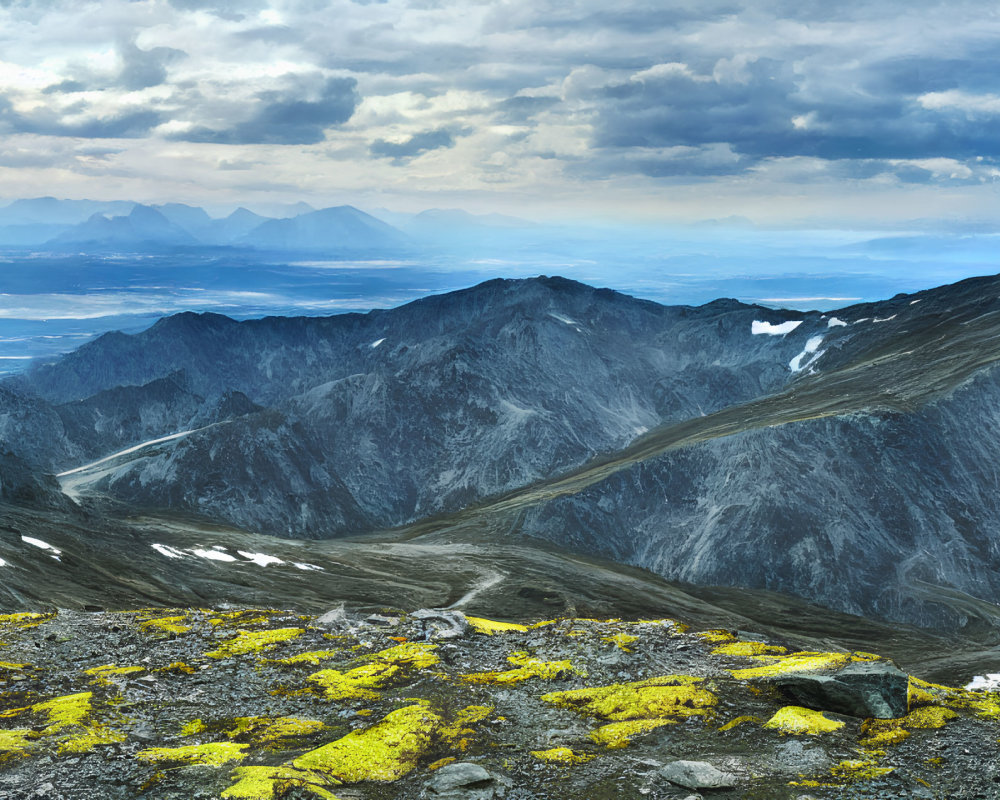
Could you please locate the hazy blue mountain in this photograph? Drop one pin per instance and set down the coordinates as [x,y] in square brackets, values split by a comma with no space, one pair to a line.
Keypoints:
[232,228]
[192,219]
[143,226]
[51,211]
[342,228]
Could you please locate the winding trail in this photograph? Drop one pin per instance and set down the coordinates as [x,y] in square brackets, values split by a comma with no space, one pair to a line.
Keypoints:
[488,579]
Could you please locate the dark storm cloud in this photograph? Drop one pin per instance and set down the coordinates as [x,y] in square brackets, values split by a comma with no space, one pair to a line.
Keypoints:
[772,111]
[419,143]
[280,119]
[46,122]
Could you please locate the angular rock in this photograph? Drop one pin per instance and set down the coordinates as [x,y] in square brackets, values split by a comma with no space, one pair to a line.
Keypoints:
[461,781]
[439,623]
[697,775]
[382,621]
[335,616]
[861,689]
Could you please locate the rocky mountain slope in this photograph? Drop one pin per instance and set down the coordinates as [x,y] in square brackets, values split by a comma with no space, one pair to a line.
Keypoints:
[253,704]
[845,458]
[413,411]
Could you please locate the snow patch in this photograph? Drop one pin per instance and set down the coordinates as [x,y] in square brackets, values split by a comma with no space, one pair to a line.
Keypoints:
[166,550]
[376,343]
[311,567]
[913,303]
[876,319]
[987,683]
[213,555]
[774,330]
[3,563]
[39,543]
[812,346]
[261,559]
[836,323]
[567,320]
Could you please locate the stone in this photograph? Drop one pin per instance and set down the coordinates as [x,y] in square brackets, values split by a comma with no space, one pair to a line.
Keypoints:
[861,689]
[441,623]
[461,781]
[382,621]
[335,616]
[697,775]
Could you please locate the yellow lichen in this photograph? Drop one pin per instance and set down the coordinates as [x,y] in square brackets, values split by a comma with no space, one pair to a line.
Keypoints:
[254,642]
[264,783]
[797,720]
[748,649]
[65,711]
[193,727]
[11,666]
[178,668]
[717,636]
[858,770]
[881,733]
[489,626]
[561,755]
[169,625]
[441,762]
[621,641]
[103,674]
[799,662]
[15,740]
[209,755]
[456,732]
[929,717]
[619,734]
[384,752]
[527,667]
[24,620]
[266,730]
[985,705]
[387,668]
[92,737]
[666,696]
[733,723]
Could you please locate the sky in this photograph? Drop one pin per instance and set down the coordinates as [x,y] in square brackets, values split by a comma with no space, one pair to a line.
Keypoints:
[791,113]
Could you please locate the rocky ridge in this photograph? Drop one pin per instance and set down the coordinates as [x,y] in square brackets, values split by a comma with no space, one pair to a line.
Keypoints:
[253,704]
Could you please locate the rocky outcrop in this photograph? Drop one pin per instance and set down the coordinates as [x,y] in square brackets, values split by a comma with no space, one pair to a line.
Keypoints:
[878,690]
[258,704]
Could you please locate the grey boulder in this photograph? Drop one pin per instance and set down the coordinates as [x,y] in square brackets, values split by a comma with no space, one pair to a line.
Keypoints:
[439,623]
[697,775]
[861,689]
[461,781]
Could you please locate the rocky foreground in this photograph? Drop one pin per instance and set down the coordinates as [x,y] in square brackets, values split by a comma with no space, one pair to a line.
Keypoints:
[256,704]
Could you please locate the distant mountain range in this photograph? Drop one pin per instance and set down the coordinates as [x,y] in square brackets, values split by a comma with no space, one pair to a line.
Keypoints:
[845,458]
[95,225]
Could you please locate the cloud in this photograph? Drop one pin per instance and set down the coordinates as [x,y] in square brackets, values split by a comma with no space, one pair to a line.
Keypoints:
[278,118]
[232,10]
[770,109]
[144,68]
[419,143]
[50,122]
